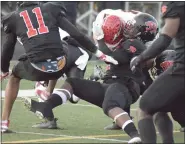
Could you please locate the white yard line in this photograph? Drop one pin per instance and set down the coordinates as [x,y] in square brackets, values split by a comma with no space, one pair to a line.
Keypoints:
[75,137]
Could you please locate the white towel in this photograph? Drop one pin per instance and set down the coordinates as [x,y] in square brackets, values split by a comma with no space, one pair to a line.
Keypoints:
[82,61]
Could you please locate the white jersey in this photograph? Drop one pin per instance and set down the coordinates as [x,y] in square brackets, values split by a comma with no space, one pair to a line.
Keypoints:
[97,24]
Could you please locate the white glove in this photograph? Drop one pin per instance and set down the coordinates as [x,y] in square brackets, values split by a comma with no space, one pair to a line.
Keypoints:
[105,58]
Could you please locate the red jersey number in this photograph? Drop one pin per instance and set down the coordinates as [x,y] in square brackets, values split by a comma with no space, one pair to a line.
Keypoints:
[31,30]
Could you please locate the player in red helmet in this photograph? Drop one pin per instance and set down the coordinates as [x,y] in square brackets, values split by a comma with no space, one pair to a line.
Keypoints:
[113,30]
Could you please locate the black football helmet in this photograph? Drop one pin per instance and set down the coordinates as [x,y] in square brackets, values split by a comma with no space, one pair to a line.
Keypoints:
[144,26]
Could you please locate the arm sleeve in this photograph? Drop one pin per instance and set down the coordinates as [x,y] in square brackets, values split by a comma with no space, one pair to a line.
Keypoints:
[76,34]
[8,51]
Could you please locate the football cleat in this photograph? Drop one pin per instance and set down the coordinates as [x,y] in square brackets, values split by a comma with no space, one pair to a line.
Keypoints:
[41,92]
[40,109]
[47,124]
[135,140]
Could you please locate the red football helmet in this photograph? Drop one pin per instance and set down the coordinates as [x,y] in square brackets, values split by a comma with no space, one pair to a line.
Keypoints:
[113,30]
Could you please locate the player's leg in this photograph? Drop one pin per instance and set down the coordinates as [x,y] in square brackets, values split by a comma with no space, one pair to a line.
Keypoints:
[164,126]
[117,98]
[114,126]
[23,70]
[11,92]
[51,86]
[162,92]
[89,91]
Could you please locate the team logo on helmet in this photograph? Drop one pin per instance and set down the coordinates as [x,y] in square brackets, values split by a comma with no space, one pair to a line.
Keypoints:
[151,27]
[166,64]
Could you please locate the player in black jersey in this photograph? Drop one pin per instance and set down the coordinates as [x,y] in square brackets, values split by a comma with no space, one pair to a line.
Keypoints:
[119,90]
[170,84]
[37,26]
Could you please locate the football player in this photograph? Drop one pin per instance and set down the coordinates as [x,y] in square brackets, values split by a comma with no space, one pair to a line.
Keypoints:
[111,27]
[170,84]
[37,26]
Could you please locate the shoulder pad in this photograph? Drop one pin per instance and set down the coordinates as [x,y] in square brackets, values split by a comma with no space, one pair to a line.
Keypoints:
[6,22]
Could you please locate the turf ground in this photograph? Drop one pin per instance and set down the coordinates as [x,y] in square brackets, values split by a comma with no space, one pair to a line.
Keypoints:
[79,123]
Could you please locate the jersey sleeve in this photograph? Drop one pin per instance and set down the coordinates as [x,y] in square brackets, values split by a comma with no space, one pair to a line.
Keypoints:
[6,23]
[172,9]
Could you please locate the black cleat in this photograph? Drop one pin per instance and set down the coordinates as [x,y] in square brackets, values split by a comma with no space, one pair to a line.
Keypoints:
[40,109]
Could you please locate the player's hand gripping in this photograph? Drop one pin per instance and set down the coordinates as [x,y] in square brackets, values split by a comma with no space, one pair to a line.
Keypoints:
[105,58]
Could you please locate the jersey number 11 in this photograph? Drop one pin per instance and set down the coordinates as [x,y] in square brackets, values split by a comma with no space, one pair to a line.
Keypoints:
[31,30]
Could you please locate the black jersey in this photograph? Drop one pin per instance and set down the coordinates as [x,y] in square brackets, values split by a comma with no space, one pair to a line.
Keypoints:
[124,54]
[37,27]
[173,10]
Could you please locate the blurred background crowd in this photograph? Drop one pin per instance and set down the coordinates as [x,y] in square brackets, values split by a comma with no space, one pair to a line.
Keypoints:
[82,14]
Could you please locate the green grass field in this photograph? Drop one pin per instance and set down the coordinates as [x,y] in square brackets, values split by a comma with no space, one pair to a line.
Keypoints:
[79,123]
